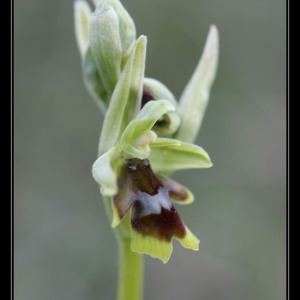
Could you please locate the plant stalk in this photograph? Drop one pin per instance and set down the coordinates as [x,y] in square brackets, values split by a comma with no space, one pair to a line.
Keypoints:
[130,285]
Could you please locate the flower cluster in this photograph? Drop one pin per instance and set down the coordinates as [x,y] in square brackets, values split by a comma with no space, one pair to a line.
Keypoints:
[146,134]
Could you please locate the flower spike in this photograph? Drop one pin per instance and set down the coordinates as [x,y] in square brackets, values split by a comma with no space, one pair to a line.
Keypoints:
[146,134]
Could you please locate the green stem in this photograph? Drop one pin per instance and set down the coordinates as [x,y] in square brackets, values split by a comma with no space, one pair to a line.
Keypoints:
[130,272]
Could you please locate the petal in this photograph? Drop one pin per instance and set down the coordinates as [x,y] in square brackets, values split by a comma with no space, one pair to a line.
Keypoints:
[152,234]
[194,99]
[165,142]
[154,220]
[124,199]
[176,157]
[141,148]
[189,240]
[112,211]
[163,224]
[177,192]
[151,246]
[137,182]
[138,131]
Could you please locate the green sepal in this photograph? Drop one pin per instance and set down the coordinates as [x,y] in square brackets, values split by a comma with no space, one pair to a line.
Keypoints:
[126,99]
[194,99]
[104,171]
[177,157]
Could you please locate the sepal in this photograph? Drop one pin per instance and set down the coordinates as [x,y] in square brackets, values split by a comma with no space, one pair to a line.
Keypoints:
[177,157]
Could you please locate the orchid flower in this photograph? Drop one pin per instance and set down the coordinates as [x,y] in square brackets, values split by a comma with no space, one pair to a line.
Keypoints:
[125,174]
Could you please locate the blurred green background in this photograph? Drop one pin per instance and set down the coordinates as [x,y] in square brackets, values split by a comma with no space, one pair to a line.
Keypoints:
[63,245]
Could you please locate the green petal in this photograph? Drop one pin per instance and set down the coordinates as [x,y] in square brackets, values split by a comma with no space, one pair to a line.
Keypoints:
[189,240]
[152,246]
[82,14]
[126,99]
[141,148]
[104,172]
[138,133]
[194,99]
[165,142]
[176,157]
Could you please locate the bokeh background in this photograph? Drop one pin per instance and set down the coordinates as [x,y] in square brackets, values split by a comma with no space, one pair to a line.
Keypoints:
[63,245]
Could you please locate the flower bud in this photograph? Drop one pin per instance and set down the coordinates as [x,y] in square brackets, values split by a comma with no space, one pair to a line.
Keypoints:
[169,122]
[112,34]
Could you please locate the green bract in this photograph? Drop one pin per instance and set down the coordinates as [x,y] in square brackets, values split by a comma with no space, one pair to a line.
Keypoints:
[146,134]
[194,99]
